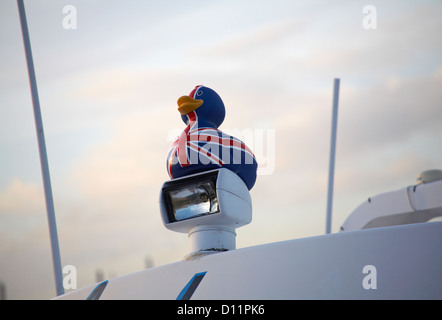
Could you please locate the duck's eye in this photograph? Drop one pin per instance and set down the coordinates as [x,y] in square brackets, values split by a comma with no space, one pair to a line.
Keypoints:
[198,93]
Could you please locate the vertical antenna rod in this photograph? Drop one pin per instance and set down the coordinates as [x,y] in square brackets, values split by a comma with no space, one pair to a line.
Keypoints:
[331,169]
[43,155]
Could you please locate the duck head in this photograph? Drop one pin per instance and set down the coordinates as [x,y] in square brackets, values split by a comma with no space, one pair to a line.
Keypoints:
[207,105]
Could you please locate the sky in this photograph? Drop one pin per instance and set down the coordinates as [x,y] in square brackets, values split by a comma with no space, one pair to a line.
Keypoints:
[108,88]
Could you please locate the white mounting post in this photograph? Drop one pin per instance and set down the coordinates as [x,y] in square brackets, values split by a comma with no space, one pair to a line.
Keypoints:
[331,170]
[43,154]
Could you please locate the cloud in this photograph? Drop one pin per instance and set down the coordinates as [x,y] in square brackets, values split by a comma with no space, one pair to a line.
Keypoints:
[127,160]
[21,198]
[391,112]
[22,213]
[25,262]
[117,185]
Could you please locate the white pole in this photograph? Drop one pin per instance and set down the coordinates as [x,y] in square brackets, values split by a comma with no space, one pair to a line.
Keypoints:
[43,154]
[331,170]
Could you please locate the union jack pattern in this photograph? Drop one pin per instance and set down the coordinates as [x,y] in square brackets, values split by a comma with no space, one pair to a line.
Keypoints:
[200,149]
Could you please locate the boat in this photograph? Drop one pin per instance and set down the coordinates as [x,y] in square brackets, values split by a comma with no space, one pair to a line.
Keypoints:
[388,248]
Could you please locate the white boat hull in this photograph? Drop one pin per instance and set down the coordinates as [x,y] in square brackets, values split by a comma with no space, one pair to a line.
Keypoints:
[400,262]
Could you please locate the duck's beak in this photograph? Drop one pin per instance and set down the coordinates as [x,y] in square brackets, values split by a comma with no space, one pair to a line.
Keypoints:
[186,104]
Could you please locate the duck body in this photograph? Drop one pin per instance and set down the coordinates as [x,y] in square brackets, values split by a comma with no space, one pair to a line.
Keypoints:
[202,146]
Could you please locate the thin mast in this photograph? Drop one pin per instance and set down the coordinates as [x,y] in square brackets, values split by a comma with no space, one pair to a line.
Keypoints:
[43,154]
[331,170]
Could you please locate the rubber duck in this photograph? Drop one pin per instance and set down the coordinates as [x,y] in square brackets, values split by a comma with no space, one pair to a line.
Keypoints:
[202,146]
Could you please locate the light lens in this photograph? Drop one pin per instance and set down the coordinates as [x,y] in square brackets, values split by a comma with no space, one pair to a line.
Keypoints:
[193,200]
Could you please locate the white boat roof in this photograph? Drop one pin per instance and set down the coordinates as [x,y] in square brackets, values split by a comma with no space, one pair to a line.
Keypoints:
[399,262]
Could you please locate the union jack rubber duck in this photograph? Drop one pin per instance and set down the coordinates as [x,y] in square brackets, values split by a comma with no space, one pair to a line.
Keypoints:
[201,146]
